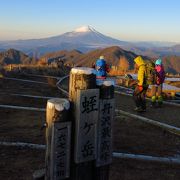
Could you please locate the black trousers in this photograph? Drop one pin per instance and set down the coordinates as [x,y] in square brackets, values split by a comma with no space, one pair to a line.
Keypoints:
[140,97]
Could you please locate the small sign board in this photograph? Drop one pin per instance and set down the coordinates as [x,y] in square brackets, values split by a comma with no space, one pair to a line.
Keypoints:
[61,141]
[104,131]
[86,110]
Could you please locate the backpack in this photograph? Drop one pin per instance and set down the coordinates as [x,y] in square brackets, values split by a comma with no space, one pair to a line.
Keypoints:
[100,64]
[100,67]
[160,74]
[151,75]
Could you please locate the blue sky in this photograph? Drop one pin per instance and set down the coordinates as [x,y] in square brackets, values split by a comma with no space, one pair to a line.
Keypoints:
[131,20]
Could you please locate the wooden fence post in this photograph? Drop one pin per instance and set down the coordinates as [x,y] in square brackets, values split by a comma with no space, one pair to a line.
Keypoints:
[104,129]
[85,105]
[58,139]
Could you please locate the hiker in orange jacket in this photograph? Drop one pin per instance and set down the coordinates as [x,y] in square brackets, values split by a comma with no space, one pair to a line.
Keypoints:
[141,87]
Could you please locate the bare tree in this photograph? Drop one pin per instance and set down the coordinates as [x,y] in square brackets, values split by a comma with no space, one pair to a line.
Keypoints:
[123,64]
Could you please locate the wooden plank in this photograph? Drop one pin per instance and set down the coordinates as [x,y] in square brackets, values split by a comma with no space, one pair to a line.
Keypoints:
[86,110]
[81,78]
[61,139]
[104,130]
[57,114]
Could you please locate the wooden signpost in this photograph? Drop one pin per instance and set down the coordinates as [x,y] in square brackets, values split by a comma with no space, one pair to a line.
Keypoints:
[84,99]
[87,106]
[79,133]
[104,129]
[81,78]
[58,139]
[61,136]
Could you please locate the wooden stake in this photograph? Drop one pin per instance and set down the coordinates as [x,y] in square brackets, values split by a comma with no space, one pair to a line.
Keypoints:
[58,139]
[84,98]
[104,129]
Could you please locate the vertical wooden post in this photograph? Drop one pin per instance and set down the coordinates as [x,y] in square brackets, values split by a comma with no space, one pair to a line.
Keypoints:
[85,105]
[58,139]
[104,129]
[127,82]
[81,78]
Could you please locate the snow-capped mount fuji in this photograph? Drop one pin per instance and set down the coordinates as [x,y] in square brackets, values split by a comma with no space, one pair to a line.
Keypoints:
[84,38]
[84,29]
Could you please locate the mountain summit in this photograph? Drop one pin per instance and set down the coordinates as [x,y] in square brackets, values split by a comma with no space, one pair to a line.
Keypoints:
[84,29]
[89,37]
[84,38]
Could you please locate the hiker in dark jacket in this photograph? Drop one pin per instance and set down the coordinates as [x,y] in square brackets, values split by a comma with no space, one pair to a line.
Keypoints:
[141,87]
[157,88]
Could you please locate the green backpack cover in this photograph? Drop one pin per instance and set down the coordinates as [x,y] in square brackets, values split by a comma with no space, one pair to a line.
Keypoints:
[151,75]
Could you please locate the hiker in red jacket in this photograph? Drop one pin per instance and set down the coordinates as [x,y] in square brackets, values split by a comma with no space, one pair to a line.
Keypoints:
[157,88]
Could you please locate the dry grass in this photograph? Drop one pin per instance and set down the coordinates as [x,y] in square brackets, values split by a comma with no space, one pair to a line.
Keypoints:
[52,82]
[174,83]
[50,70]
[116,73]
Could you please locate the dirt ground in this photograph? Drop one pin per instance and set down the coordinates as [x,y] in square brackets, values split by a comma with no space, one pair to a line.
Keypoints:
[129,135]
[19,163]
[139,170]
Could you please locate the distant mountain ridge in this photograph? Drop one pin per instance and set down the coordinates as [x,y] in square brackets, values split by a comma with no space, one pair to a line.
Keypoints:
[156,51]
[172,64]
[114,55]
[86,39]
[13,56]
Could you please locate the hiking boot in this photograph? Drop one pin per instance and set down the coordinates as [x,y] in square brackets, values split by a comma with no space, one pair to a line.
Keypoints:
[139,109]
[160,101]
[142,110]
[136,108]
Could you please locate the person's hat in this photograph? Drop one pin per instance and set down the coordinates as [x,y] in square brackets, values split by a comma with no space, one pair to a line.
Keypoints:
[101,57]
[158,62]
